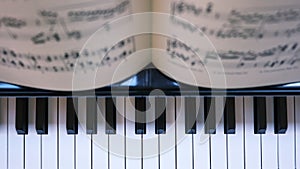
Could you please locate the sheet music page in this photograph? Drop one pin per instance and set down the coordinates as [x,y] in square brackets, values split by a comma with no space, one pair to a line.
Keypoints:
[45,44]
[248,43]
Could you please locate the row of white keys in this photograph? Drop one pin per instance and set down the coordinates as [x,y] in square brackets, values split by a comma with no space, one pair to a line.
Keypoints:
[15,141]
[218,140]
[297,132]
[50,141]
[201,140]
[286,141]
[269,139]
[32,140]
[133,141]
[150,139]
[66,142]
[167,141]
[83,141]
[100,140]
[117,141]
[251,140]
[184,141]
[3,132]
[235,141]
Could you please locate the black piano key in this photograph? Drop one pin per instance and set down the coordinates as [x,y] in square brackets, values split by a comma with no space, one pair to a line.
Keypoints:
[210,115]
[140,115]
[280,115]
[110,115]
[190,115]
[160,114]
[229,116]
[72,121]
[91,115]
[21,115]
[41,121]
[260,115]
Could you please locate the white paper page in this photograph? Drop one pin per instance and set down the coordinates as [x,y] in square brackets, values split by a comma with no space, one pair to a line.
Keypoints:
[45,44]
[249,42]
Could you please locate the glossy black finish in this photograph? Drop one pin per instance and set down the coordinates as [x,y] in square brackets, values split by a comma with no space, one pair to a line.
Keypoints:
[148,80]
[21,123]
[91,115]
[160,115]
[210,115]
[260,115]
[110,115]
[190,115]
[280,115]
[41,122]
[229,116]
[140,115]
[72,121]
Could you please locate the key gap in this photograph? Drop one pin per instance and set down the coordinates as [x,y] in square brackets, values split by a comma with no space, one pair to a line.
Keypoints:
[175,102]
[92,163]
[193,154]
[142,152]
[244,135]
[75,151]
[57,131]
[7,130]
[295,131]
[24,147]
[227,151]
[209,151]
[158,147]
[124,119]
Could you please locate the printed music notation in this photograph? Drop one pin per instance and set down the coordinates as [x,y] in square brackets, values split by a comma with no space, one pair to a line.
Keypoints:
[236,24]
[49,25]
[65,28]
[66,62]
[244,40]
[282,55]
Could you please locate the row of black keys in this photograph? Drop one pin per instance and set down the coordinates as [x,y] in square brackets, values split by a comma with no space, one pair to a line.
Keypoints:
[260,122]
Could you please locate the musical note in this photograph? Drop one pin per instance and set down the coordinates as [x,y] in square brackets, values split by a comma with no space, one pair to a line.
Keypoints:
[94,15]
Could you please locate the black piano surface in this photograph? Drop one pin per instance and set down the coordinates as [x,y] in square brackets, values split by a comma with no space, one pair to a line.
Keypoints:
[143,83]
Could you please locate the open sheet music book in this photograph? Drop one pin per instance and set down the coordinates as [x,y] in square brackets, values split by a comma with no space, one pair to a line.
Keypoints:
[81,45]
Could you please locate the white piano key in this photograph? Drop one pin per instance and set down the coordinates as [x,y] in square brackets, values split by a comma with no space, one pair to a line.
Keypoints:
[32,140]
[201,140]
[133,142]
[235,141]
[252,141]
[167,141]
[218,140]
[100,140]
[269,139]
[15,142]
[66,142]
[150,139]
[49,141]
[3,132]
[184,141]
[286,142]
[297,122]
[83,141]
[117,141]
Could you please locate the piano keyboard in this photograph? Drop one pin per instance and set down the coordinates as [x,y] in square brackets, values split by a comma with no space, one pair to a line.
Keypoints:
[150,133]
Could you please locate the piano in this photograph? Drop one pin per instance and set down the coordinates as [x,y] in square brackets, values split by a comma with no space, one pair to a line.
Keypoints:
[150,121]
